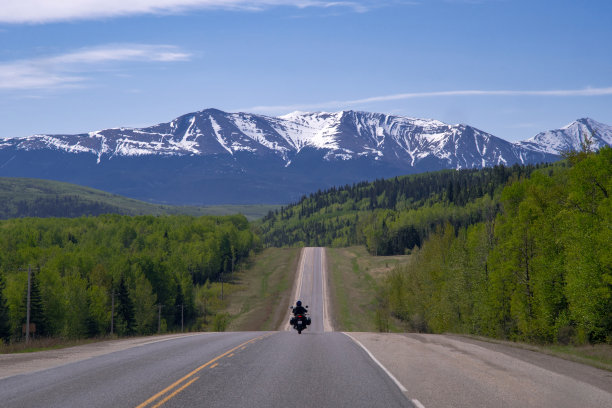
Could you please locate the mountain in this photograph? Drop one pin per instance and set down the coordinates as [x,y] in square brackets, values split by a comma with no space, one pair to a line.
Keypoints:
[215,157]
[570,137]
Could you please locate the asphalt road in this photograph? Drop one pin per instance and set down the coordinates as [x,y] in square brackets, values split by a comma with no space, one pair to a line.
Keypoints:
[248,369]
[319,368]
[310,288]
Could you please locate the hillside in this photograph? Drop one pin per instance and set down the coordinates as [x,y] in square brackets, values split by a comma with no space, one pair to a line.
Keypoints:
[539,271]
[519,253]
[394,215]
[23,197]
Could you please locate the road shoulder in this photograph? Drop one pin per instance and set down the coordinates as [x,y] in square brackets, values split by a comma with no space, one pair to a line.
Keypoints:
[442,370]
[25,363]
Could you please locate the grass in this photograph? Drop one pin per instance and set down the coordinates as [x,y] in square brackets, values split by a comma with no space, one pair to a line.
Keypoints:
[261,297]
[594,355]
[354,276]
[597,355]
[46,343]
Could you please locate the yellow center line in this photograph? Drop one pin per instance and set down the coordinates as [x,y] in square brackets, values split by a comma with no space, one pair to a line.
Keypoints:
[230,355]
[178,382]
[162,402]
[214,365]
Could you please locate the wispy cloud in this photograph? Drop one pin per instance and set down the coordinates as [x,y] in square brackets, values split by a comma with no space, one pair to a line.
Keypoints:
[44,11]
[414,95]
[72,69]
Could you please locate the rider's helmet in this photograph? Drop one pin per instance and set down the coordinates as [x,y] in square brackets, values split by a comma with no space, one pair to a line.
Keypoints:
[298,303]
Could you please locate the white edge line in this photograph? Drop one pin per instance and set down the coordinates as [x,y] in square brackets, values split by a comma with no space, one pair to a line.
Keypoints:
[399,384]
[417,403]
[297,289]
[326,322]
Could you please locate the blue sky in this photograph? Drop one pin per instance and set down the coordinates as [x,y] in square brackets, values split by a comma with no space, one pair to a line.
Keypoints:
[511,68]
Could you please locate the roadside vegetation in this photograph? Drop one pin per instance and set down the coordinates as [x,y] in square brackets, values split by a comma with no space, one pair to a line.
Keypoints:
[141,274]
[520,253]
[540,271]
[261,296]
[354,278]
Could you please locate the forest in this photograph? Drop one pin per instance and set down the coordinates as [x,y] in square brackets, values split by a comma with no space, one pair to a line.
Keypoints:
[139,274]
[519,253]
[391,216]
[539,271]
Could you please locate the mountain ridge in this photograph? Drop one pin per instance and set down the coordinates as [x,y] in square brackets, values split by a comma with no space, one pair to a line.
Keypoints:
[215,157]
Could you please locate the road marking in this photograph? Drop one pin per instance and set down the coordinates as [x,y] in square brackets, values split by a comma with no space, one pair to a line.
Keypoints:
[214,365]
[395,380]
[295,293]
[230,355]
[162,402]
[326,322]
[417,403]
[179,336]
[178,382]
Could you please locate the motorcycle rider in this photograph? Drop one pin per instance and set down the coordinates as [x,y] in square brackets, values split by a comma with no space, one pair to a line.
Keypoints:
[299,310]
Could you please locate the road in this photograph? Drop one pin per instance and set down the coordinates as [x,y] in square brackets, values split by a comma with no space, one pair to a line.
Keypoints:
[310,288]
[319,368]
[453,371]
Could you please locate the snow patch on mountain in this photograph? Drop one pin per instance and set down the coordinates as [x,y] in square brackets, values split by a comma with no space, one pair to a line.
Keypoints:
[401,142]
[570,137]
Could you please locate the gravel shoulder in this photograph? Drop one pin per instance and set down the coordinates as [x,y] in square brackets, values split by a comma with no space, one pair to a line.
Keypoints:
[445,371]
[24,363]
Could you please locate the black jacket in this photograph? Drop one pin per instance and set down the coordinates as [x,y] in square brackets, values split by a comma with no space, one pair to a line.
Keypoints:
[299,310]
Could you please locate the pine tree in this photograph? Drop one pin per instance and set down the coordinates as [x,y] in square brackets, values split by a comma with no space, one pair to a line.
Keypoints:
[179,305]
[37,309]
[5,330]
[125,307]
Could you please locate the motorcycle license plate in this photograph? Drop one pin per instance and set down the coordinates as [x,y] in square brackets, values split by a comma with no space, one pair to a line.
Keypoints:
[299,322]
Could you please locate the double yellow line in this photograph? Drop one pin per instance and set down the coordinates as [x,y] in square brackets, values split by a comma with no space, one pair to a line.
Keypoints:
[180,385]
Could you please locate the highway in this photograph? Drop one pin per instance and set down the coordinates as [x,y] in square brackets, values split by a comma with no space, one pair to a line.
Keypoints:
[319,368]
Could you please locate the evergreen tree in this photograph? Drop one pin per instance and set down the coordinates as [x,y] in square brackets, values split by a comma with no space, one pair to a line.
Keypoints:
[125,308]
[5,330]
[179,306]
[37,309]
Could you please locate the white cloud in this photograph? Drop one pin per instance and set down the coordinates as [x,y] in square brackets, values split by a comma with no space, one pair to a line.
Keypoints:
[44,11]
[70,69]
[415,95]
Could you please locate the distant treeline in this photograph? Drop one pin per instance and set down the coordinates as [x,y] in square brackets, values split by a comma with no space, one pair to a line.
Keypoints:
[57,206]
[391,216]
[541,270]
[83,268]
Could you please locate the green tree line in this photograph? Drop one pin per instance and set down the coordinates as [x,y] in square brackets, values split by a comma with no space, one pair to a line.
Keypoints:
[540,270]
[391,216]
[84,268]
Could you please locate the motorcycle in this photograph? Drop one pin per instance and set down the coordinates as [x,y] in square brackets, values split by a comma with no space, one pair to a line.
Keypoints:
[300,321]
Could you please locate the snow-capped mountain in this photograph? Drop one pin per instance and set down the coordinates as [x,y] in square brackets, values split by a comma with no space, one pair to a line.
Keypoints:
[571,137]
[210,156]
[342,135]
